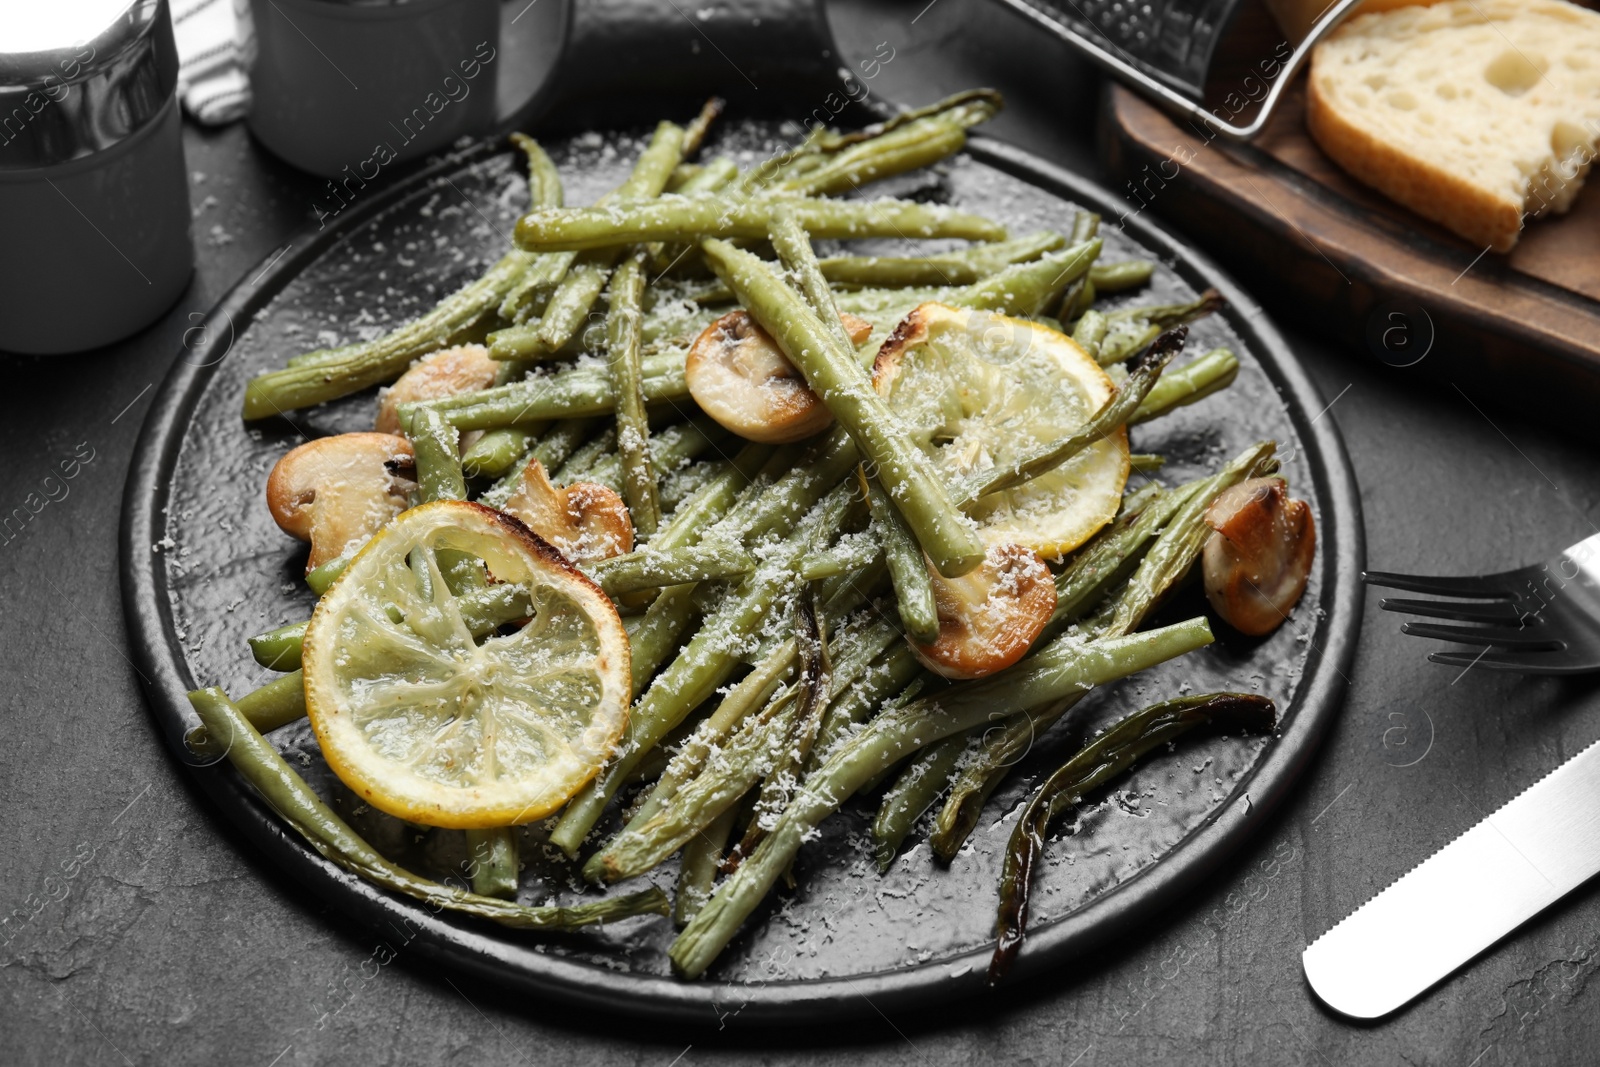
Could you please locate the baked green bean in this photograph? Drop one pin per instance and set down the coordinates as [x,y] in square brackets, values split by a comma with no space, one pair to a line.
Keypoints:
[1192,382]
[1125,274]
[949,538]
[893,736]
[492,862]
[915,791]
[228,734]
[633,426]
[1109,755]
[645,569]
[684,218]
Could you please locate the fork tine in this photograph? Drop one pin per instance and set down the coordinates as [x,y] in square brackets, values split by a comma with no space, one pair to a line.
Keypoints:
[1461,611]
[1490,586]
[1528,640]
[1517,662]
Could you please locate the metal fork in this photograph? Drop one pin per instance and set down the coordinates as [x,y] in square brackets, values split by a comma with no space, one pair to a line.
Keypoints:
[1540,619]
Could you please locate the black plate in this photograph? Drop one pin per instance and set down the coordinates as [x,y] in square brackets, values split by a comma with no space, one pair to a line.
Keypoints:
[204,567]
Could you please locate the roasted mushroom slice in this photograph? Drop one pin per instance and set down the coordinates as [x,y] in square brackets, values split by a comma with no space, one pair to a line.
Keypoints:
[1258,559]
[463,369]
[584,521]
[338,491]
[740,377]
[990,616]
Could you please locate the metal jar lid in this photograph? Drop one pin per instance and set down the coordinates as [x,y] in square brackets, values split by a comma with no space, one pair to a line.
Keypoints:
[79,76]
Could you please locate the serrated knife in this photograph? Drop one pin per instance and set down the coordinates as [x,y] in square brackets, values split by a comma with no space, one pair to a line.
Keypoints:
[1530,853]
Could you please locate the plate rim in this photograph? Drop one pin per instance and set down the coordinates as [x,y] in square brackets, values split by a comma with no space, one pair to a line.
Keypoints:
[470,949]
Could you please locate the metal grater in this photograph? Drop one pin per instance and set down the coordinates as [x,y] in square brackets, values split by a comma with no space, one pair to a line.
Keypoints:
[1163,48]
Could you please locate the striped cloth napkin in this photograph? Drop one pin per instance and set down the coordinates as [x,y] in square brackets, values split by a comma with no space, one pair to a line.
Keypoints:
[211,80]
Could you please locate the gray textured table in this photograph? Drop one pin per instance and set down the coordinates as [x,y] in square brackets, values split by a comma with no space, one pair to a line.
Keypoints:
[141,930]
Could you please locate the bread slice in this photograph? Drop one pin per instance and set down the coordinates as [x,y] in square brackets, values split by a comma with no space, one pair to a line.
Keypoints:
[1474,113]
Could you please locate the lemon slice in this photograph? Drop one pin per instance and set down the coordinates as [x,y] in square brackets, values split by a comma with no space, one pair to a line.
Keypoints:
[978,390]
[432,726]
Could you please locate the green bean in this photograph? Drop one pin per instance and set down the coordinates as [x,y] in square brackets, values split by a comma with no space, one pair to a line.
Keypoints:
[481,609]
[910,147]
[694,134]
[812,690]
[891,672]
[492,862]
[1109,755]
[1166,562]
[794,250]
[544,190]
[1085,225]
[853,652]
[226,732]
[279,650]
[1078,296]
[1125,274]
[551,450]
[278,703]
[793,159]
[681,174]
[948,268]
[438,456]
[893,736]
[1024,288]
[754,692]
[659,631]
[683,218]
[654,364]
[697,869]
[1146,463]
[709,178]
[731,772]
[913,588]
[669,615]
[710,771]
[714,176]
[320,578]
[683,482]
[691,678]
[1111,417]
[544,180]
[633,426]
[497,451]
[531,294]
[1112,555]
[1195,381]
[842,558]
[569,394]
[907,473]
[357,367]
[1130,329]
[915,791]
[670,449]
[967,108]
[1028,288]
[1090,331]
[1079,299]
[645,569]
[584,277]
[583,461]
[713,502]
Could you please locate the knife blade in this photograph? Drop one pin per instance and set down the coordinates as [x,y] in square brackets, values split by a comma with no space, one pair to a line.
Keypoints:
[1541,845]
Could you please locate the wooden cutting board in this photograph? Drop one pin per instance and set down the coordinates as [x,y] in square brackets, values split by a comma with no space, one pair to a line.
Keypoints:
[1334,255]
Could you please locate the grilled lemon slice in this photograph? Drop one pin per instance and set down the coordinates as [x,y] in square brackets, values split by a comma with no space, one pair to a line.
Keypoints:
[978,390]
[433,726]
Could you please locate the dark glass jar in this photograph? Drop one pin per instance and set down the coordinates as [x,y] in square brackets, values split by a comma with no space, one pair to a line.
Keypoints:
[94,197]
